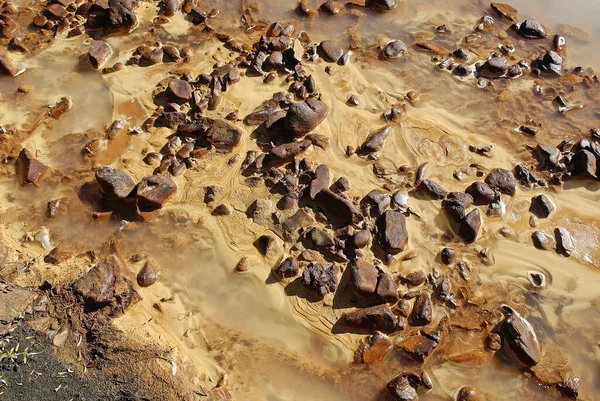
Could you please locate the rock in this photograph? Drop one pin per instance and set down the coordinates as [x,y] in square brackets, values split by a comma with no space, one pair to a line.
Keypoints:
[456,204]
[170,7]
[336,207]
[99,53]
[394,49]
[288,268]
[467,393]
[302,118]
[417,347]
[321,181]
[267,245]
[415,278]
[502,180]
[58,255]
[583,163]
[401,389]
[548,63]
[422,312]
[531,29]
[320,238]
[375,141]
[541,206]
[547,156]
[519,341]
[382,5]
[493,342]
[260,211]
[470,226]
[482,193]
[7,65]
[148,275]
[321,278]
[544,241]
[387,290]
[448,256]
[107,286]
[14,302]
[154,191]
[361,239]
[373,349]
[211,192]
[391,231]
[506,10]
[494,67]
[29,169]
[564,241]
[380,199]
[116,184]
[331,50]
[223,135]
[432,190]
[463,70]
[332,7]
[364,277]
[554,370]
[287,151]
[180,90]
[375,318]
[294,223]
[221,210]
[121,18]
[400,199]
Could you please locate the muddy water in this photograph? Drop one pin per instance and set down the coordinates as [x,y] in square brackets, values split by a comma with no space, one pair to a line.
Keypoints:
[265,340]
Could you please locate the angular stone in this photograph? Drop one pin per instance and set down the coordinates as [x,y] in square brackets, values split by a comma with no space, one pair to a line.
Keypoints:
[401,389]
[583,163]
[542,206]
[58,255]
[108,286]
[154,191]
[320,238]
[432,189]
[294,223]
[375,141]
[373,349]
[506,10]
[422,312]
[364,277]
[180,90]
[417,347]
[387,290]
[531,29]
[148,275]
[380,199]
[287,151]
[544,241]
[7,65]
[321,181]
[302,118]
[99,53]
[470,226]
[392,232]
[548,63]
[29,169]
[321,278]
[288,268]
[382,5]
[494,67]
[375,318]
[116,184]
[564,241]
[332,7]
[223,135]
[519,341]
[121,17]
[546,155]
[502,180]
[482,193]
[336,207]
[456,204]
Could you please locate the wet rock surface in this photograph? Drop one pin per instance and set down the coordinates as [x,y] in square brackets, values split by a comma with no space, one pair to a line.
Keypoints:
[519,340]
[304,117]
[29,169]
[375,318]
[116,184]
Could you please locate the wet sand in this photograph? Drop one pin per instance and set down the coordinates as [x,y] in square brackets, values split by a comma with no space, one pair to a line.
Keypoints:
[247,335]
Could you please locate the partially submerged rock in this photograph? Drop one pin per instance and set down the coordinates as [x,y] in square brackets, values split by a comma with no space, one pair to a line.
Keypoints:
[373,349]
[417,347]
[502,180]
[148,275]
[116,184]
[531,29]
[99,53]
[519,341]
[375,141]
[29,169]
[554,370]
[548,63]
[402,389]
[422,312]
[154,191]
[394,49]
[382,5]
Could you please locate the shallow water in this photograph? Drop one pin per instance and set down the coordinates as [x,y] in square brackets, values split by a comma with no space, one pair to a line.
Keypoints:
[270,341]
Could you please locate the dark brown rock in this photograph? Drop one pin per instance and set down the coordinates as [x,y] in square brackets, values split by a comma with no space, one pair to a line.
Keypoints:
[547,156]
[373,349]
[531,29]
[361,239]
[519,341]
[170,7]
[392,232]
[288,268]
[332,7]
[375,141]
[148,275]
[302,118]
[394,49]
[321,181]
[382,5]
[482,193]
[180,90]
[99,53]
[456,204]
[467,393]
[494,67]
[583,164]
[364,277]
[417,347]
[58,255]
[331,50]
[448,256]
[432,190]
[116,184]
[422,312]
[541,206]
[506,10]
[121,17]
[320,238]
[387,290]
[470,226]
[107,286]
[336,207]
[287,151]
[321,278]
[401,389]
[223,135]
[375,318]
[380,199]
[29,169]
[564,241]
[7,65]
[154,191]
[502,180]
[548,63]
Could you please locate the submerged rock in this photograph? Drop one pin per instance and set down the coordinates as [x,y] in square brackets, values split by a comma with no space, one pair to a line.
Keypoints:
[373,349]
[29,169]
[99,53]
[554,370]
[148,275]
[548,63]
[375,318]
[402,389]
[519,341]
[321,278]
[394,49]
[382,5]
[116,184]
[392,232]
[302,118]
[154,191]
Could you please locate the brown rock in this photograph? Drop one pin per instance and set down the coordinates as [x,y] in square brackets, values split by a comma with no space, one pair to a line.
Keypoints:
[554,370]
[154,191]
[116,184]
[302,118]
[392,232]
[148,275]
[29,169]
[337,207]
[373,349]
[107,286]
[502,180]
[223,135]
[99,53]
[417,347]
[401,389]
[7,65]
[288,268]
[321,181]
[422,312]
[375,141]
[180,90]
[321,278]
[361,239]
[364,277]
[375,318]
[519,341]
[506,10]
[170,7]
[467,393]
[331,50]
[287,151]
[387,290]
[332,7]
[58,255]
[482,193]
[120,18]
[432,189]
[470,226]
[382,5]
